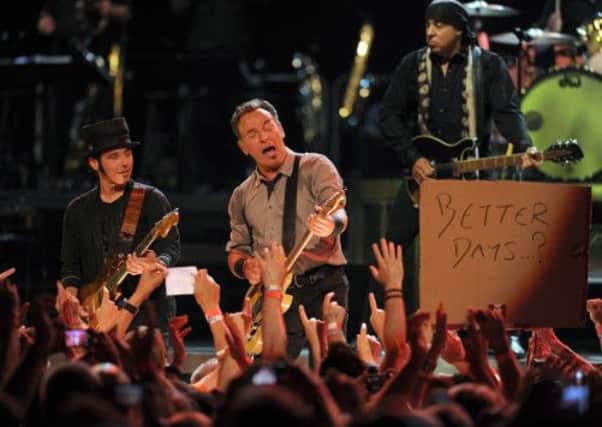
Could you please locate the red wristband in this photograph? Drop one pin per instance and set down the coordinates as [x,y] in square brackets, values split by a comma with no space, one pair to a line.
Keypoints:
[213,313]
[273,294]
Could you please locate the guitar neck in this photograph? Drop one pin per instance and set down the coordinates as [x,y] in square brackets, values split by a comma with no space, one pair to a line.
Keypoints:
[495,162]
[115,279]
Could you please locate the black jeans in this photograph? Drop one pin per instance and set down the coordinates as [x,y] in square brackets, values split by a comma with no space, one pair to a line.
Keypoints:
[309,290]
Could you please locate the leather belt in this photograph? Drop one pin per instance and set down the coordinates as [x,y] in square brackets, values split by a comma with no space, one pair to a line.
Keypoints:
[313,276]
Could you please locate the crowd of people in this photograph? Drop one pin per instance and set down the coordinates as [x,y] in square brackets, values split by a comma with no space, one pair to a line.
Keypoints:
[65,367]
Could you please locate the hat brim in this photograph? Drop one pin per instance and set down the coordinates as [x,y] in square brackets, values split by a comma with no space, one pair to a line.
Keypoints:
[128,144]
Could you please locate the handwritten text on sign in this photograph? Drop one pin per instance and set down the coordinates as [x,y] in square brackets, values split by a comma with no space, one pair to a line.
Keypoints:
[460,219]
[522,245]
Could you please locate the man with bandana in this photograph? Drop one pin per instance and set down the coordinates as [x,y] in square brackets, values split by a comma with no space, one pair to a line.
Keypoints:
[449,89]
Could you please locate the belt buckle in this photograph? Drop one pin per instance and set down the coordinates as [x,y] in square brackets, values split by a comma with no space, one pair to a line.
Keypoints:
[296,283]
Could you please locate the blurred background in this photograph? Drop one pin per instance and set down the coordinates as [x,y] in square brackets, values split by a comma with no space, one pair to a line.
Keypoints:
[177,68]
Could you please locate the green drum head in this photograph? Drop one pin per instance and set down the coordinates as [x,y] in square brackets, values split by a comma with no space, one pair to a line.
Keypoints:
[567,104]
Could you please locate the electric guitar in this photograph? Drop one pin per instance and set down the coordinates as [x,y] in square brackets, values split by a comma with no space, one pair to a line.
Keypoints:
[456,161]
[254,342]
[114,269]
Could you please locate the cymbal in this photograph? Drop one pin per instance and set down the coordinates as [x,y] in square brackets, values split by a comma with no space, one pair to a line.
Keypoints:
[482,9]
[536,37]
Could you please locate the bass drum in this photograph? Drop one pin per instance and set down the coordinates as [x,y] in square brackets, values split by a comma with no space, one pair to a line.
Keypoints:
[566,104]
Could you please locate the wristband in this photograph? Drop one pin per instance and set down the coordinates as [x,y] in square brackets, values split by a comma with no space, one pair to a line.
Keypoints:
[122,303]
[338,225]
[333,326]
[212,313]
[273,294]
[214,319]
[333,332]
[272,288]
[238,268]
[220,354]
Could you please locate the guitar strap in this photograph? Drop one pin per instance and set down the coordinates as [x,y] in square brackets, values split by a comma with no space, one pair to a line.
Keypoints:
[131,217]
[289,214]
[479,100]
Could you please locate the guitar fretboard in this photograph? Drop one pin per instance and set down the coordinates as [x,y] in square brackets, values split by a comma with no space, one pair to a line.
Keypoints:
[116,279]
[495,162]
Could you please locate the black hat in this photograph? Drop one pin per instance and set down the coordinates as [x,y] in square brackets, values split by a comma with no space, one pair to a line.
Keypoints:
[107,135]
[451,12]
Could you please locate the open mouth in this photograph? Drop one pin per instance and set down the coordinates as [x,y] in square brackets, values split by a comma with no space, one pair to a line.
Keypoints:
[269,150]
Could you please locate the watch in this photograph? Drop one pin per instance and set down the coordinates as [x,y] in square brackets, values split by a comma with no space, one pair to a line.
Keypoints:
[124,303]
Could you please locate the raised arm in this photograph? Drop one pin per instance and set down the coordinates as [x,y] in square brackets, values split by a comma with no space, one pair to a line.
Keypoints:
[272,261]
[389,273]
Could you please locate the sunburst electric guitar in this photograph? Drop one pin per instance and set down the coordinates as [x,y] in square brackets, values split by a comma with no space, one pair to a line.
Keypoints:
[453,159]
[114,269]
[254,342]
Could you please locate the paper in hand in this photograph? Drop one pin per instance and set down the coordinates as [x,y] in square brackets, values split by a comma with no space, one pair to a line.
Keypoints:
[180,280]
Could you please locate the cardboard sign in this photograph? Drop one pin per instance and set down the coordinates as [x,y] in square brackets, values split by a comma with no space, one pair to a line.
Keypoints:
[519,246]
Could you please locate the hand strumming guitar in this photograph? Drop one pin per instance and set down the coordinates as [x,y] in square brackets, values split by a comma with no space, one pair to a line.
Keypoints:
[422,170]
[326,225]
[319,225]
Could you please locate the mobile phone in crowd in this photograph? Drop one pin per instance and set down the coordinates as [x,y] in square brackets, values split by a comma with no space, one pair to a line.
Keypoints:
[576,396]
[76,338]
[128,394]
[264,376]
[373,381]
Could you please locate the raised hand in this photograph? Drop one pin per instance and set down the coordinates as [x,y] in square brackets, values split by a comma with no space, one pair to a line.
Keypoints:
[594,308]
[272,261]
[417,323]
[389,264]
[314,332]
[453,350]
[492,325]
[206,291]
[377,316]
[105,318]
[368,347]
[474,341]
[439,339]
[7,273]
[332,312]
[234,335]
[64,296]
[178,329]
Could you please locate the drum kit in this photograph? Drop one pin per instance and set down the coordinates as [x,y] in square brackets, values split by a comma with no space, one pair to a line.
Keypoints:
[563,102]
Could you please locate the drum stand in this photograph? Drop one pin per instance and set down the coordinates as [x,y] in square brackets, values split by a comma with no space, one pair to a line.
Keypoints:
[523,38]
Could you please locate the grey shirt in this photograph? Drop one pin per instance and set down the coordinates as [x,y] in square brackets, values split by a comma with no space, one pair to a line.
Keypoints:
[256,215]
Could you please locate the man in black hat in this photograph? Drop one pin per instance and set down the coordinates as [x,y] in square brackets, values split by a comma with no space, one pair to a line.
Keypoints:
[450,89]
[93,223]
